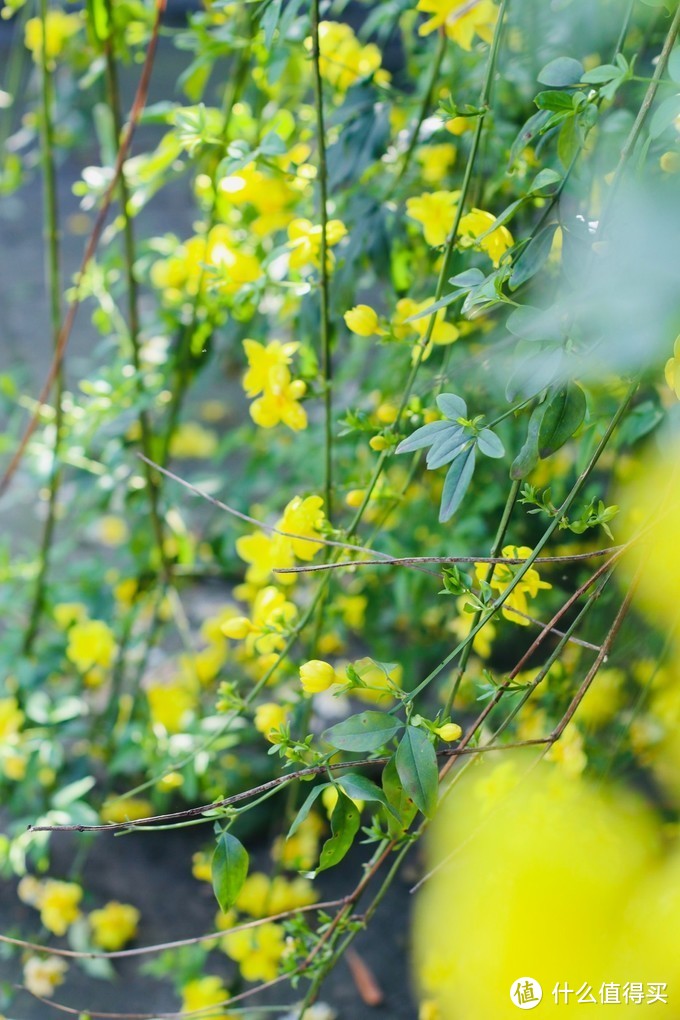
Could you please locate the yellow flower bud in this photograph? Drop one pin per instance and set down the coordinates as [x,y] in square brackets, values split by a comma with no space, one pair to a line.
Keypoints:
[363,320]
[449,732]
[316,676]
[354,498]
[670,162]
[377,443]
[237,628]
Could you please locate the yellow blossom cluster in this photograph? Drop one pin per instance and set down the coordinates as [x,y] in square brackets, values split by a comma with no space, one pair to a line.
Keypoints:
[12,758]
[206,995]
[343,60]
[269,376]
[113,925]
[91,647]
[436,212]
[216,265]
[304,242]
[300,524]
[57,901]
[59,29]
[42,974]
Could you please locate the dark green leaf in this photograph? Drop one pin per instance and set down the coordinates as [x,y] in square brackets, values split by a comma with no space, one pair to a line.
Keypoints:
[366,731]
[555,100]
[533,257]
[416,764]
[229,869]
[306,808]
[490,444]
[344,826]
[560,72]
[527,458]
[564,412]
[452,406]
[569,141]
[359,787]
[456,483]
[401,804]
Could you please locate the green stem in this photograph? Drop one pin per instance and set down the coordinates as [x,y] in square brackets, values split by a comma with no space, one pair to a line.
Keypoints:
[325,325]
[495,550]
[52,274]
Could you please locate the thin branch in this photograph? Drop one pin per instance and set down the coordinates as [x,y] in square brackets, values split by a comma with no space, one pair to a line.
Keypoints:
[410,561]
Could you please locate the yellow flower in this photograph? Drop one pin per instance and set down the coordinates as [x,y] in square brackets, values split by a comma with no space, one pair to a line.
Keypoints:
[257,951]
[460,19]
[670,162]
[271,617]
[114,925]
[459,125]
[201,866]
[124,809]
[263,361]
[269,718]
[502,577]
[171,705]
[253,898]
[279,403]
[43,974]
[363,320]
[11,718]
[305,241]
[429,1010]
[60,27]
[237,628]
[202,993]
[30,890]
[353,610]
[449,732]
[436,161]
[66,613]
[495,244]
[672,369]
[436,213]
[316,676]
[344,61]
[303,518]
[442,332]
[90,643]
[58,904]
[603,699]
[112,530]
[191,440]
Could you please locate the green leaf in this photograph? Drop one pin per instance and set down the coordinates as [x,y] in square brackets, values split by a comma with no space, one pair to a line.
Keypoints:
[270,20]
[344,826]
[534,256]
[468,279]
[555,100]
[424,436]
[490,444]
[601,74]
[447,446]
[533,127]
[307,805]
[365,731]
[74,791]
[229,869]
[452,406]
[416,764]
[456,483]
[560,72]
[533,374]
[533,324]
[359,787]
[568,141]
[564,412]
[545,179]
[98,19]
[402,806]
[674,65]
[527,458]
[664,115]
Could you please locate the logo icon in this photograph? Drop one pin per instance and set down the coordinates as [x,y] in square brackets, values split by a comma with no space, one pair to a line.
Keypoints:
[526,993]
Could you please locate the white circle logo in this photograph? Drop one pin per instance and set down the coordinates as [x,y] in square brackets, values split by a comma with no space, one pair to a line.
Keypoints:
[526,993]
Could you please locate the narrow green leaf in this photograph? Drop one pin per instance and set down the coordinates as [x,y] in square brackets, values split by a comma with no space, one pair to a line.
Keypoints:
[229,869]
[344,826]
[307,805]
[416,764]
[456,482]
[365,731]
[490,444]
[564,412]
[545,179]
[402,806]
[533,257]
[560,72]
[555,100]
[424,436]
[447,446]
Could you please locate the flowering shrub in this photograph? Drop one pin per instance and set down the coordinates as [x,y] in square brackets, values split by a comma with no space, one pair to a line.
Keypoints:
[365,498]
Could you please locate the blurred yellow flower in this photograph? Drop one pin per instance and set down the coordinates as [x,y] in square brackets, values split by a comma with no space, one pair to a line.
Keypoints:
[60,27]
[58,905]
[476,223]
[114,925]
[171,705]
[343,60]
[269,717]
[380,681]
[66,613]
[42,974]
[460,19]
[112,530]
[436,213]
[192,440]
[123,809]
[305,241]
[672,369]
[91,643]
[11,718]
[203,993]
[436,161]
[363,321]
[257,951]
[442,332]
[503,576]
